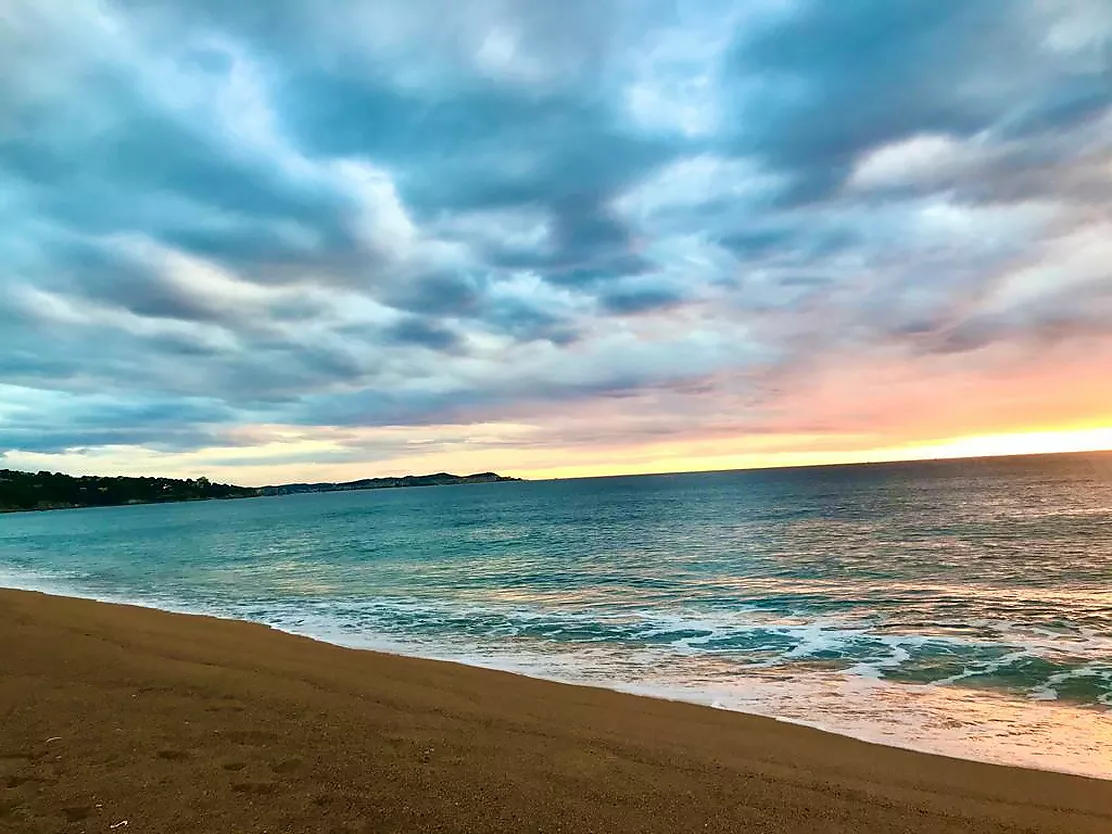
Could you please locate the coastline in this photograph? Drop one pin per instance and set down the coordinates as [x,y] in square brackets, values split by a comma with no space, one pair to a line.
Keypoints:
[872,732]
[233,492]
[209,724]
[13,510]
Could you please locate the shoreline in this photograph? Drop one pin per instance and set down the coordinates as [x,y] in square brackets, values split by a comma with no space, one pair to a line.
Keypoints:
[208,724]
[280,490]
[13,510]
[669,696]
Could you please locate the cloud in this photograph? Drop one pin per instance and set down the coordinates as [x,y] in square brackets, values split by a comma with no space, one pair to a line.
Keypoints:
[827,82]
[641,299]
[215,216]
[418,331]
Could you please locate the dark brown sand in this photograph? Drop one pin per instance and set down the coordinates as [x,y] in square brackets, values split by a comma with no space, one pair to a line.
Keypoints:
[189,724]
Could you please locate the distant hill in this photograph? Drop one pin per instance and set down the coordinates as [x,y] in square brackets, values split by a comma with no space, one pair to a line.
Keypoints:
[53,490]
[438,479]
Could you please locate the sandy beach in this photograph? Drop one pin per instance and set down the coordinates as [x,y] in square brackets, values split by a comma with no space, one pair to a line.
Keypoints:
[117,718]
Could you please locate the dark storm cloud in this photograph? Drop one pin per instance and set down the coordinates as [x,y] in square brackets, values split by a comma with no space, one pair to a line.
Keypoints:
[176,425]
[399,213]
[641,300]
[529,323]
[837,79]
[120,174]
[104,275]
[418,331]
[438,293]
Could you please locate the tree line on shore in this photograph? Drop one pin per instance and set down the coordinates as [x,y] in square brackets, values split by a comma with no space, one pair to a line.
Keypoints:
[53,490]
[56,491]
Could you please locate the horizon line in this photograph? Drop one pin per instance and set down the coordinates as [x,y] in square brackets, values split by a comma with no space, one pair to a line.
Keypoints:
[752,468]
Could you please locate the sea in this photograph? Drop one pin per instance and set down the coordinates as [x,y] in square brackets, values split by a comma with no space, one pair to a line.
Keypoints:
[957,607]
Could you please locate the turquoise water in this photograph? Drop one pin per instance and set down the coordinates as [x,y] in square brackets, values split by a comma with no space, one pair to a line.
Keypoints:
[960,607]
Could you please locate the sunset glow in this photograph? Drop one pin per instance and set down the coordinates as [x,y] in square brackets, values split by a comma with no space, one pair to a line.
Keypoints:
[407,237]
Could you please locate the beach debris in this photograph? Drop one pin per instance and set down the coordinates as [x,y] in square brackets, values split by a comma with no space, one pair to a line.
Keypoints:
[120,824]
[53,738]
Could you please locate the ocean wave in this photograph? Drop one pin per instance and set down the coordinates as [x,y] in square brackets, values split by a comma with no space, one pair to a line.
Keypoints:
[968,615]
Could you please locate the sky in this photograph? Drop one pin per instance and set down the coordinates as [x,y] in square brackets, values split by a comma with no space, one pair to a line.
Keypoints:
[289,240]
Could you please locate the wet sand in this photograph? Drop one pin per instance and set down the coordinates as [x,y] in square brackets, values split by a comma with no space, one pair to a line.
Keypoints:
[189,724]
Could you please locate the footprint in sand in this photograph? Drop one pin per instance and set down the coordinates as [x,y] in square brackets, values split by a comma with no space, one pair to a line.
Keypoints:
[286,766]
[76,813]
[19,754]
[9,808]
[257,788]
[257,737]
